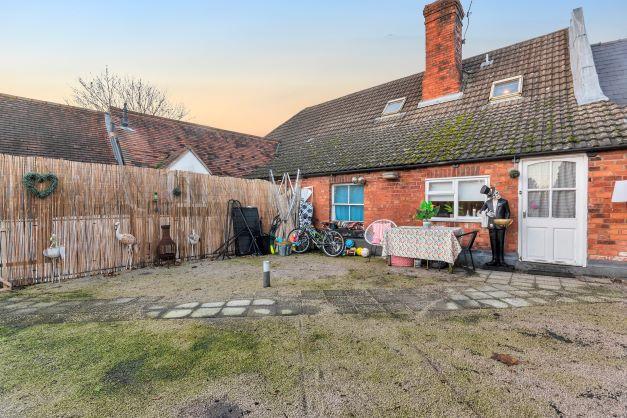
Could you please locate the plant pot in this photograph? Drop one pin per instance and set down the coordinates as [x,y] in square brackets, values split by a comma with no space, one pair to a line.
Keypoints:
[426,224]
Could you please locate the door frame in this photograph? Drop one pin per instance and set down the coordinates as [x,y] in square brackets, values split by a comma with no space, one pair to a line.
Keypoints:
[582,204]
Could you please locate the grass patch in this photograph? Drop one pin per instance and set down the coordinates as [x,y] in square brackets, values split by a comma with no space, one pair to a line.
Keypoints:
[105,365]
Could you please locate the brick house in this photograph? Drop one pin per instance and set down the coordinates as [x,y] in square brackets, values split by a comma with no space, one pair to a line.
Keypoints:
[37,128]
[552,107]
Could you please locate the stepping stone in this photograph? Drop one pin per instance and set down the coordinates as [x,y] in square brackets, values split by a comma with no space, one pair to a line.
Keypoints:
[287,312]
[458,297]
[262,311]
[263,302]
[238,302]
[212,305]
[205,312]
[486,289]
[153,314]
[566,300]
[478,295]
[469,304]
[516,302]
[537,301]
[233,311]
[523,293]
[451,306]
[156,308]
[121,301]
[25,311]
[590,299]
[504,287]
[499,294]
[471,289]
[177,313]
[190,305]
[494,303]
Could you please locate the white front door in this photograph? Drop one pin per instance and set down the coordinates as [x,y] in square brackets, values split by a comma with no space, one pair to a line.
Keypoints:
[553,210]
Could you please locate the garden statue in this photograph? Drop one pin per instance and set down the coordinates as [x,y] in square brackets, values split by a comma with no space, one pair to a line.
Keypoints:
[129,241]
[54,253]
[497,211]
[193,240]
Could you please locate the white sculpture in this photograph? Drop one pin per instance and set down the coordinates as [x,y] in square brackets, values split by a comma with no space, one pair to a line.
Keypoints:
[129,241]
[54,253]
[193,240]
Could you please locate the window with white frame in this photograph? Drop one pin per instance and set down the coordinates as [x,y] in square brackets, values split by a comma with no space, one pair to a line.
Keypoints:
[393,106]
[348,202]
[457,198]
[503,89]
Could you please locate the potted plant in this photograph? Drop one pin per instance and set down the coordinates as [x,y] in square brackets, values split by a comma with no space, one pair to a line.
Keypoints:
[425,212]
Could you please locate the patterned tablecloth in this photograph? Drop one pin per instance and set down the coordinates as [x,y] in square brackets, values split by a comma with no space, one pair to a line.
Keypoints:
[435,243]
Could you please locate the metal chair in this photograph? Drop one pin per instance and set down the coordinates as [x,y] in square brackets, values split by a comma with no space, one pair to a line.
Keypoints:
[374,234]
[467,247]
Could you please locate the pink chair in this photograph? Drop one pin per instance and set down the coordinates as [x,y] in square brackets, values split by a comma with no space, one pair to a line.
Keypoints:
[375,232]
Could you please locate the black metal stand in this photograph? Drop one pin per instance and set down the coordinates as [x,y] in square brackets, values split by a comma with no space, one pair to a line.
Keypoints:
[225,251]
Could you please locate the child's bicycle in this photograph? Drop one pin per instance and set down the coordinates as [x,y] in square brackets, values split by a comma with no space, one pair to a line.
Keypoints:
[330,242]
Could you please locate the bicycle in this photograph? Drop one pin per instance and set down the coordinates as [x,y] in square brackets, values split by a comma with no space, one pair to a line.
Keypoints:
[330,242]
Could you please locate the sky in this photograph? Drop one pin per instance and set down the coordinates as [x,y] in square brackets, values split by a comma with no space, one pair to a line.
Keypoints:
[249,65]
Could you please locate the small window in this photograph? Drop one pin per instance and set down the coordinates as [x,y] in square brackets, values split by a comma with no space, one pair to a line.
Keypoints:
[348,202]
[393,106]
[456,198]
[509,87]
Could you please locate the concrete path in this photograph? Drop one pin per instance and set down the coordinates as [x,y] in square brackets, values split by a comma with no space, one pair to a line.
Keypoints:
[484,290]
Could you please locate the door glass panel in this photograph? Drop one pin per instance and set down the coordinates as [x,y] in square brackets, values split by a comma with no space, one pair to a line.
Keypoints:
[564,174]
[564,203]
[538,204]
[539,175]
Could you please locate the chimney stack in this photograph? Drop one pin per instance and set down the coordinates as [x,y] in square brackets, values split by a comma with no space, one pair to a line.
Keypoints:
[443,72]
[124,122]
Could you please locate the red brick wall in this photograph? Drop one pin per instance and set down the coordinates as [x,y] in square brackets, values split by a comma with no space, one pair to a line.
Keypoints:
[398,200]
[443,34]
[607,221]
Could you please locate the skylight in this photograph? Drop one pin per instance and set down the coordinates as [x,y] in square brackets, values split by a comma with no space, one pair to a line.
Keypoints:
[510,87]
[393,106]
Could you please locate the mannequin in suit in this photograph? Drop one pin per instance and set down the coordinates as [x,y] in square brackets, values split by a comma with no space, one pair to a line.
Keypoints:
[495,208]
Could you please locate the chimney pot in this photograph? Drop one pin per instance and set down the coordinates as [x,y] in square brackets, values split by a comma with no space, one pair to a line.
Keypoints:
[443,34]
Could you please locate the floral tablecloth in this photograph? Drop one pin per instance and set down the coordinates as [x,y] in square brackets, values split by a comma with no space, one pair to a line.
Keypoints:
[435,243]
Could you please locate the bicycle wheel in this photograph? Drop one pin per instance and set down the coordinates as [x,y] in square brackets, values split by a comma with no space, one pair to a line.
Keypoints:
[333,244]
[300,240]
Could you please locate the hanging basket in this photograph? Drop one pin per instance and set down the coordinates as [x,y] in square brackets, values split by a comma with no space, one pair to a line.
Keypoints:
[514,173]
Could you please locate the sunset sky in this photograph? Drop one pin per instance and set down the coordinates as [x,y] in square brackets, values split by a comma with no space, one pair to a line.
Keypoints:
[250,65]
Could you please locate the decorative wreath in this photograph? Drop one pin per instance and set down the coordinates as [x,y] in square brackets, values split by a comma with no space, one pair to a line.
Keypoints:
[30,181]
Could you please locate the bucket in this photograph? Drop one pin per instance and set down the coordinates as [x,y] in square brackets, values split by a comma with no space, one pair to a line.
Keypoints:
[285,250]
[401,261]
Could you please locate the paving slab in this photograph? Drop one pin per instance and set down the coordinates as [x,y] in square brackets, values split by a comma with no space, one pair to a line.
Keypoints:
[478,295]
[537,301]
[469,304]
[153,314]
[520,293]
[205,312]
[517,302]
[177,313]
[486,288]
[564,299]
[238,302]
[212,305]
[458,297]
[263,302]
[190,305]
[499,294]
[233,311]
[156,307]
[494,303]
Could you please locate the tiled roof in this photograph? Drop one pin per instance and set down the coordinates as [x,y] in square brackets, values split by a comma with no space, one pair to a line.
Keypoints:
[348,134]
[152,141]
[610,58]
[33,127]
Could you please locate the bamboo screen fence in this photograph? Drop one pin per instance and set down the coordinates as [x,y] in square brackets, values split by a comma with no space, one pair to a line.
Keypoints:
[88,201]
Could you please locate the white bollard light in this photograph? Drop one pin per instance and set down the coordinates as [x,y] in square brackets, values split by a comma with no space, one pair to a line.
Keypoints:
[266,273]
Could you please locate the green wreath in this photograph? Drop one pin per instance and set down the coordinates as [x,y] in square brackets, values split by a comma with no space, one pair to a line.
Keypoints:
[30,181]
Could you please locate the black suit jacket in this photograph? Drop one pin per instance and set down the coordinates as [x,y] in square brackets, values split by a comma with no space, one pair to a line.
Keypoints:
[500,212]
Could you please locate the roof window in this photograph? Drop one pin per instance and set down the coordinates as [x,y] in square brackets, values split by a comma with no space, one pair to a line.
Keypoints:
[503,89]
[393,106]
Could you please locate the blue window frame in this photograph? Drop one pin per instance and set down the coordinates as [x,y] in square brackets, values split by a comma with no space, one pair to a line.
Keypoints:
[348,202]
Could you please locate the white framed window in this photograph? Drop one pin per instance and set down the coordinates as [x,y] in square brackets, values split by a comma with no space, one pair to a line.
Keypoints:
[509,87]
[393,106]
[348,202]
[457,198]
